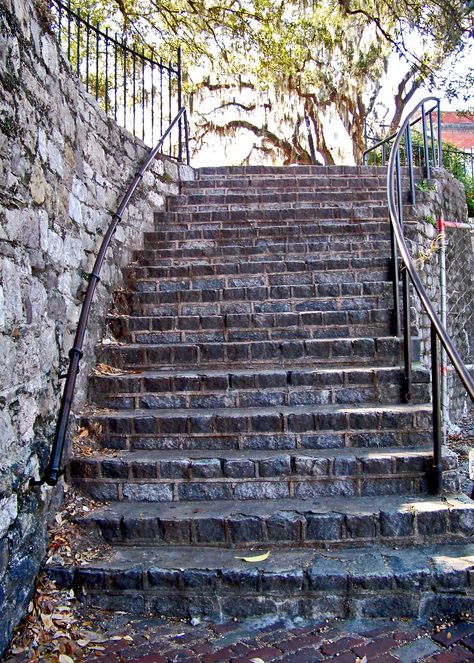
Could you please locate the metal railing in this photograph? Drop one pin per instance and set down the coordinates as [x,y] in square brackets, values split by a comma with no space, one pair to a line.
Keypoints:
[54,471]
[420,114]
[130,83]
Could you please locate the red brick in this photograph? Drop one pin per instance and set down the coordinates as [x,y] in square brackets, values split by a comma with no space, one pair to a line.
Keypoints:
[340,646]
[455,655]
[375,648]
[148,658]
[218,656]
[202,648]
[266,653]
[240,649]
[311,640]
[289,645]
[303,656]
[408,636]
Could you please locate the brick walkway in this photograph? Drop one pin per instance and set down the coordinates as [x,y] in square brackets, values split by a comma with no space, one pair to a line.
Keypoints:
[162,641]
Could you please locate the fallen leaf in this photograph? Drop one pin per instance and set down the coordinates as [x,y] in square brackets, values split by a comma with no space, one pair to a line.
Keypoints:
[256,558]
[64,658]
[48,622]
[122,637]
[257,660]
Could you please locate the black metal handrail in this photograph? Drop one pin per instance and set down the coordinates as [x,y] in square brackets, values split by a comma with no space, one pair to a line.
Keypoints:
[410,274]
[53,470]
[133,85]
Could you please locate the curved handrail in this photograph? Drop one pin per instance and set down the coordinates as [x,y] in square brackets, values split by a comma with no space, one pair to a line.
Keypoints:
[53,470]
[441,332]
[438,330]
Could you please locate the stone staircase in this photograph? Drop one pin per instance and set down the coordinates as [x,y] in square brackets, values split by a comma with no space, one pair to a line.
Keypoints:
[256,407]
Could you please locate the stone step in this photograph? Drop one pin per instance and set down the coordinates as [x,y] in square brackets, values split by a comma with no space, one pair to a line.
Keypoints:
[253,230]
[344,213]
[275,427]
[373,351]
[336,282]
[249,327]
[308,247]
[354,255]
[353,173]
[254,388]
[363,267]
[318,523]
[357,583]
[249,301]
[203,200]
[177,476]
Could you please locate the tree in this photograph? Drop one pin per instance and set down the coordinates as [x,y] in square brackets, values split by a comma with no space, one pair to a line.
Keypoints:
[325,59]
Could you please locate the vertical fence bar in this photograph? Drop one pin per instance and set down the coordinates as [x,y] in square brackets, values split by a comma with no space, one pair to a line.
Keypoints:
[143,95]
[180,123]
[116,76]
[106,69]
[161,96]
[97,47]
[436,479]
[440,143]
[124,46]
[69,30]
[134,88]
[395,320]
[60,20]
[384,154]
[433,151]
[152,102]
[78,45]
[425,144]
[410,166]
[186,137]
[170,100]
[407,353]
[88,46]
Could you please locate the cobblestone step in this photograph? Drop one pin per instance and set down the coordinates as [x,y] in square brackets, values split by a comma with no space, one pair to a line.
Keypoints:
[251,388]
[199,200]
[177,476]
[175,236]
[324,522]
[276,427]
[362,267]
[377,351]
[370,582]
[198,249]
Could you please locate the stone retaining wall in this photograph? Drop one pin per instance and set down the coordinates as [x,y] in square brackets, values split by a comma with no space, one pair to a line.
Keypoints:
[64,165]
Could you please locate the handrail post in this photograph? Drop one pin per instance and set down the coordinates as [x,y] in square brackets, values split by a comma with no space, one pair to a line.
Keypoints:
[407,350]
[440,144]
[425,143]
[436,473]
[410,166]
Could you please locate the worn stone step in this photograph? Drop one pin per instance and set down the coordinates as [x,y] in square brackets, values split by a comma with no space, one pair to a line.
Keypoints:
[356,351]
[249,301]
[177,476]
[295,214]
[318,523]
[358,583]
[363,267]
[245,388]
[246,200]
[276,427]
[248,230]
[350,172]
[198,249]
[355,254]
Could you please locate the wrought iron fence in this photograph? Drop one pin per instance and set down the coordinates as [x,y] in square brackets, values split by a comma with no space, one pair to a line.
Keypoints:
[131,83]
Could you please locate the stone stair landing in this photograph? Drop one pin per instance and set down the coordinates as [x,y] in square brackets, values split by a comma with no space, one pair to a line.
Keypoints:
[255,406]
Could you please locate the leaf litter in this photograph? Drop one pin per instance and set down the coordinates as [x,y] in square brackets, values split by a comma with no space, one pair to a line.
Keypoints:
[54,629]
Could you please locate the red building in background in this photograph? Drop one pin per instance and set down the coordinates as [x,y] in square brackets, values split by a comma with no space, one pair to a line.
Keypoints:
[458,130]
